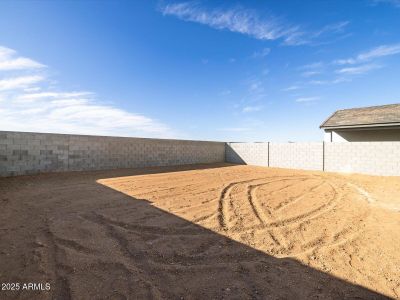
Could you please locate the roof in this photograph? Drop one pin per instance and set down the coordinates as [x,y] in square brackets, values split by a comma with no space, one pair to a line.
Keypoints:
[373,116]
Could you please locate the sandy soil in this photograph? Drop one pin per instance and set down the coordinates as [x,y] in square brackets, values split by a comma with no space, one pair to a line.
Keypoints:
[201,232]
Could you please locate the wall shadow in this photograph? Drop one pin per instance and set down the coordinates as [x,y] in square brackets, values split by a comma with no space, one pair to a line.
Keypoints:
[98,243]
[231,156]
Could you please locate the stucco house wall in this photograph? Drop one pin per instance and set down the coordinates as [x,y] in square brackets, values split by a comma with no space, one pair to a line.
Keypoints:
[370,135]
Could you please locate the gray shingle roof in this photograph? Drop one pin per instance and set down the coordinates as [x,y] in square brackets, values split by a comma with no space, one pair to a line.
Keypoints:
[369,116]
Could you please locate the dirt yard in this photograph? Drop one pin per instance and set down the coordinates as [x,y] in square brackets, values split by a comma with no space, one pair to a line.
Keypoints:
[201,232]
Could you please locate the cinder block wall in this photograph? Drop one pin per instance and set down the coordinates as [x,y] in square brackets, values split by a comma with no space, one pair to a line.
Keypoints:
[24,153]
[247,153]
[305,156]
[373,158]
[376,158]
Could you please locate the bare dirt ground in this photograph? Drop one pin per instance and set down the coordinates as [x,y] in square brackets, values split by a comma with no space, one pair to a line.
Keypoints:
[201,232]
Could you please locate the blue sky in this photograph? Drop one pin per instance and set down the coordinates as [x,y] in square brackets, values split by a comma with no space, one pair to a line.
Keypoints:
[214,70]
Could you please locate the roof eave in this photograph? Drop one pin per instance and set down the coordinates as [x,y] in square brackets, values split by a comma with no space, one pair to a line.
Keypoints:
[327,119]
[377,125]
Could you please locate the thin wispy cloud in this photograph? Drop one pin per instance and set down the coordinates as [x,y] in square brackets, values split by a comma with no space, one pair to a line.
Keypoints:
[256,87]
[312,69]
[248,109]
[20,82]
[291,88]
[381,51]
[45,109]
[236,20]
[248,22]
[62,95]
[360,64]
[253,99]
[319,82]
[395,3]
[262,53]
[307,99]
[333,28]
[332,81]
[245,124]
[312,66]
[6,52]
[235,129]
[255,91]
[362,69]
[310,73]
[10,61]
[77,116]
[265,72]
[225,92]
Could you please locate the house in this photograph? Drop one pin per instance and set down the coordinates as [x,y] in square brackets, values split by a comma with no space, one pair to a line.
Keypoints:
[364,124]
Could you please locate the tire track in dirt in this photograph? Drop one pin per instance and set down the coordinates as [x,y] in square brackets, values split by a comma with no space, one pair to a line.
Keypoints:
[347,237]
[322,209]
[299,218]
[204,218]
[283,243]
[294,200]
[170,231]
[151,261]
[264,215]
[222,210]
[63,289]
[257,207]
[226,193]
[338,238]
[73,245]
[257,210]
[136,263]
